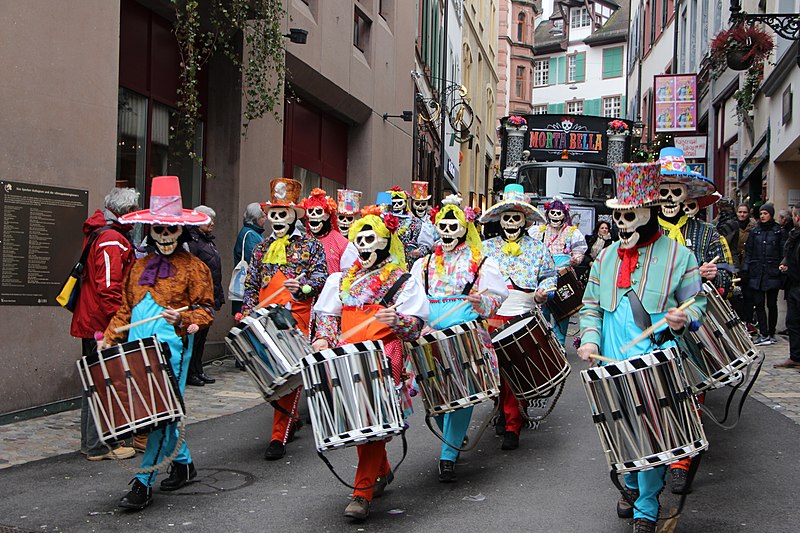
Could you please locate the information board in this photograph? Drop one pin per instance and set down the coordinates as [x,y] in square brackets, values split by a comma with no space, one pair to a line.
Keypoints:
[40,240]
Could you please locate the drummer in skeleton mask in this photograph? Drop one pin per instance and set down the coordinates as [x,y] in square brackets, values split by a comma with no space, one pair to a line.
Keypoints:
[322,223]
[420,207]
[458,270]
[643,270]
[680,186]
[529,272]
[566,244]
[291,267]
[165,279]
[348,202]
[377,281]
[417,240]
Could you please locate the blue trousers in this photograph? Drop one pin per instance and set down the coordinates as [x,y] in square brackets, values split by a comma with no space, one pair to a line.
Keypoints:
[649,483]
[454,426]
[560,326]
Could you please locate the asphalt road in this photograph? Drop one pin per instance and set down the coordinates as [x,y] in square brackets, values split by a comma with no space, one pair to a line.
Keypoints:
[556,481]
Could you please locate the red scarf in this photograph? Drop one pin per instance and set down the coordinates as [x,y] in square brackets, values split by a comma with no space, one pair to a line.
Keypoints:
[630,256]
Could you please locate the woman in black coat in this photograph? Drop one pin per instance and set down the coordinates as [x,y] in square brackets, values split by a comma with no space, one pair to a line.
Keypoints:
[601,238]
[202,246]
[763,254]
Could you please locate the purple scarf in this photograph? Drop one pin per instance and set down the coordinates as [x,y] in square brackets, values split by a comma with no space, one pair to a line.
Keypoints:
[159,266]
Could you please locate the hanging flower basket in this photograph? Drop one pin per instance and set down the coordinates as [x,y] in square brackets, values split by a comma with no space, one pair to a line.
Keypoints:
[740,47]
[515,121]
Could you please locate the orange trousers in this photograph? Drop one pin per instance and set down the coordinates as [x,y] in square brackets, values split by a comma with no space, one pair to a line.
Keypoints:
[372,463]
[282,423]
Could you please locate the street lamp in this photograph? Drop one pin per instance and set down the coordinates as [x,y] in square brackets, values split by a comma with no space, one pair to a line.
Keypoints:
[407,116]
[786,25]
[297,35]
[638,129]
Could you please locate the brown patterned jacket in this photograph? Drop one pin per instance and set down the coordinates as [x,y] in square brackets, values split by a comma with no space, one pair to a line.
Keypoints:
[191,285]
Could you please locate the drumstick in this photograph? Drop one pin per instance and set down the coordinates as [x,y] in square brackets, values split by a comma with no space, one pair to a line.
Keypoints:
[716,258]
[601,358]
[453,310]
[126,327]
[646,333]
[349,333]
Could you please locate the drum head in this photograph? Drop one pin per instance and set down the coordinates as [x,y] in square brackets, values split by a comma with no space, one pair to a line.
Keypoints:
[510,328]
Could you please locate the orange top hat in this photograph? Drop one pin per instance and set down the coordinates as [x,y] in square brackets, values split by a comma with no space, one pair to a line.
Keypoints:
[419,190]
[166,206]
[285,192]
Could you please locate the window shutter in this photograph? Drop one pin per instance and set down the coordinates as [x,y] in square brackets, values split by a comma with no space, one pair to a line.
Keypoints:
[555,109]
[580,67]
[551,75]
[593,107]
[562,69]
[612,62]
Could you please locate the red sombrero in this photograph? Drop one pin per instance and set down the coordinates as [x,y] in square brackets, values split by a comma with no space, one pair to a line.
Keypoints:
[166,207]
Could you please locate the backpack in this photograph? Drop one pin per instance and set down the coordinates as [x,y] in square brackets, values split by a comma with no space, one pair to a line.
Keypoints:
[71,288]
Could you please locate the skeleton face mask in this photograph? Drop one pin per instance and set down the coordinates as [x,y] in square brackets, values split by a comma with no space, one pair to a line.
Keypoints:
[512,223]
[345,221]
[398,206]
[556,217]
[166,238]
[319,222]
[452,232]
[672,194]
[282,220]
[635,226]
[420,208]
[690,208]
[372,248]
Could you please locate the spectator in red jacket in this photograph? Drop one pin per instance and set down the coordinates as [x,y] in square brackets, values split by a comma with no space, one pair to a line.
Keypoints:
[107,264]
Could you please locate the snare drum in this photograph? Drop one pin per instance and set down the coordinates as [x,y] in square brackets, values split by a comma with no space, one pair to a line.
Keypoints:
[131,388]
[351,395]
[531,359]
[455,367]
[644,411]
[568,297]
[718,351]
[270,349]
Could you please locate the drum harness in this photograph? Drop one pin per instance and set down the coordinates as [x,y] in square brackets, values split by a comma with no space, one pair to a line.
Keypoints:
[386,302]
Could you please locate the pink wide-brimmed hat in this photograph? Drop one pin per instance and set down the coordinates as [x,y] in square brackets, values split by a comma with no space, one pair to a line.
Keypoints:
[166,207]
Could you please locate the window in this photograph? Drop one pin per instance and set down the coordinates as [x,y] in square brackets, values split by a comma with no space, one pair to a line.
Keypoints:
[521,28]
[612,62]
[612,106]
[579,18]
[571,64]
[652,7]
[664,13]
[539,109]
[576,67]
[361,26]
[575,107]
[520,81]
[541,72]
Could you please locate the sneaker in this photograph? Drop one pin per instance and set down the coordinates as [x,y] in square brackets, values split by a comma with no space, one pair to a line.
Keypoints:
[276,450]
[643,525]
[761,340]
[510,441]
[381,483]
[678,478]
[138,498]
[772,339]
[122,452]
[447,471]
[179,475]
[625,503]
[140,443]
[358,509]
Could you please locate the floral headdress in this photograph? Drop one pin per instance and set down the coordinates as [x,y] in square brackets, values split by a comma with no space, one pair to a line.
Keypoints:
[467,218]
[558,203]
[385,225]
[320,198]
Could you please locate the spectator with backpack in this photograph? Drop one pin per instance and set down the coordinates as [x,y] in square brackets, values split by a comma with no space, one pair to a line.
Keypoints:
[249,236]
[108,259]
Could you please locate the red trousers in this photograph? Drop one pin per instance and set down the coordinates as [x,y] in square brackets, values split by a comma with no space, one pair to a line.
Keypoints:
[508,402]
[281,422]
[372,463]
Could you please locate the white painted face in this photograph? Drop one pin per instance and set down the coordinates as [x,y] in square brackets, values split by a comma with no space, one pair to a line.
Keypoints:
[166,238]
[673,194]
[628,222]
[316,218]
[556,217]
[398,206]
[282,219]
[368,243]
[345,221]
[452,233]
[512,223]
[691,207]
[420,208]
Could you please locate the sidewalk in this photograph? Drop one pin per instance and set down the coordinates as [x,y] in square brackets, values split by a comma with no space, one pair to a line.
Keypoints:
[58,434]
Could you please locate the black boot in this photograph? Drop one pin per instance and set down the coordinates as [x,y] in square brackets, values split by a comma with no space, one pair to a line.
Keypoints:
[500,426]
[179,475]
[276,450]
[510,441]
[643,525]
[138,498]
[625,503]
[447,471]
[679,478]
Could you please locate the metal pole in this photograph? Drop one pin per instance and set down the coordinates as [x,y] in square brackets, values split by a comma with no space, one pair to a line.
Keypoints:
[443,98]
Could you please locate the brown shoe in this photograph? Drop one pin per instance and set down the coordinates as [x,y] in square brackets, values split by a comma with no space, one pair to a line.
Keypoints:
[789,363]
[358,509]
[123,452]
[140,442]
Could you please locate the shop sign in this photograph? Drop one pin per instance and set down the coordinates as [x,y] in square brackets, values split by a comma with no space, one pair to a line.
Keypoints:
[578,137]
[693,147]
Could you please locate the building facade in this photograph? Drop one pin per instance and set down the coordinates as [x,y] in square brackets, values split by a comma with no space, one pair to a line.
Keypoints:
[95,107]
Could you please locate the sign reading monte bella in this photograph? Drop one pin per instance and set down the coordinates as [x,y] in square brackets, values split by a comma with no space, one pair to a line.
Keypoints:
[582,138]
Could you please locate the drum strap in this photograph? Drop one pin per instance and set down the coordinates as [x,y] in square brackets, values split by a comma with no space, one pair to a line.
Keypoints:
[745,394]
[475,440]
[388,298]
[640,316]
[349,486]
